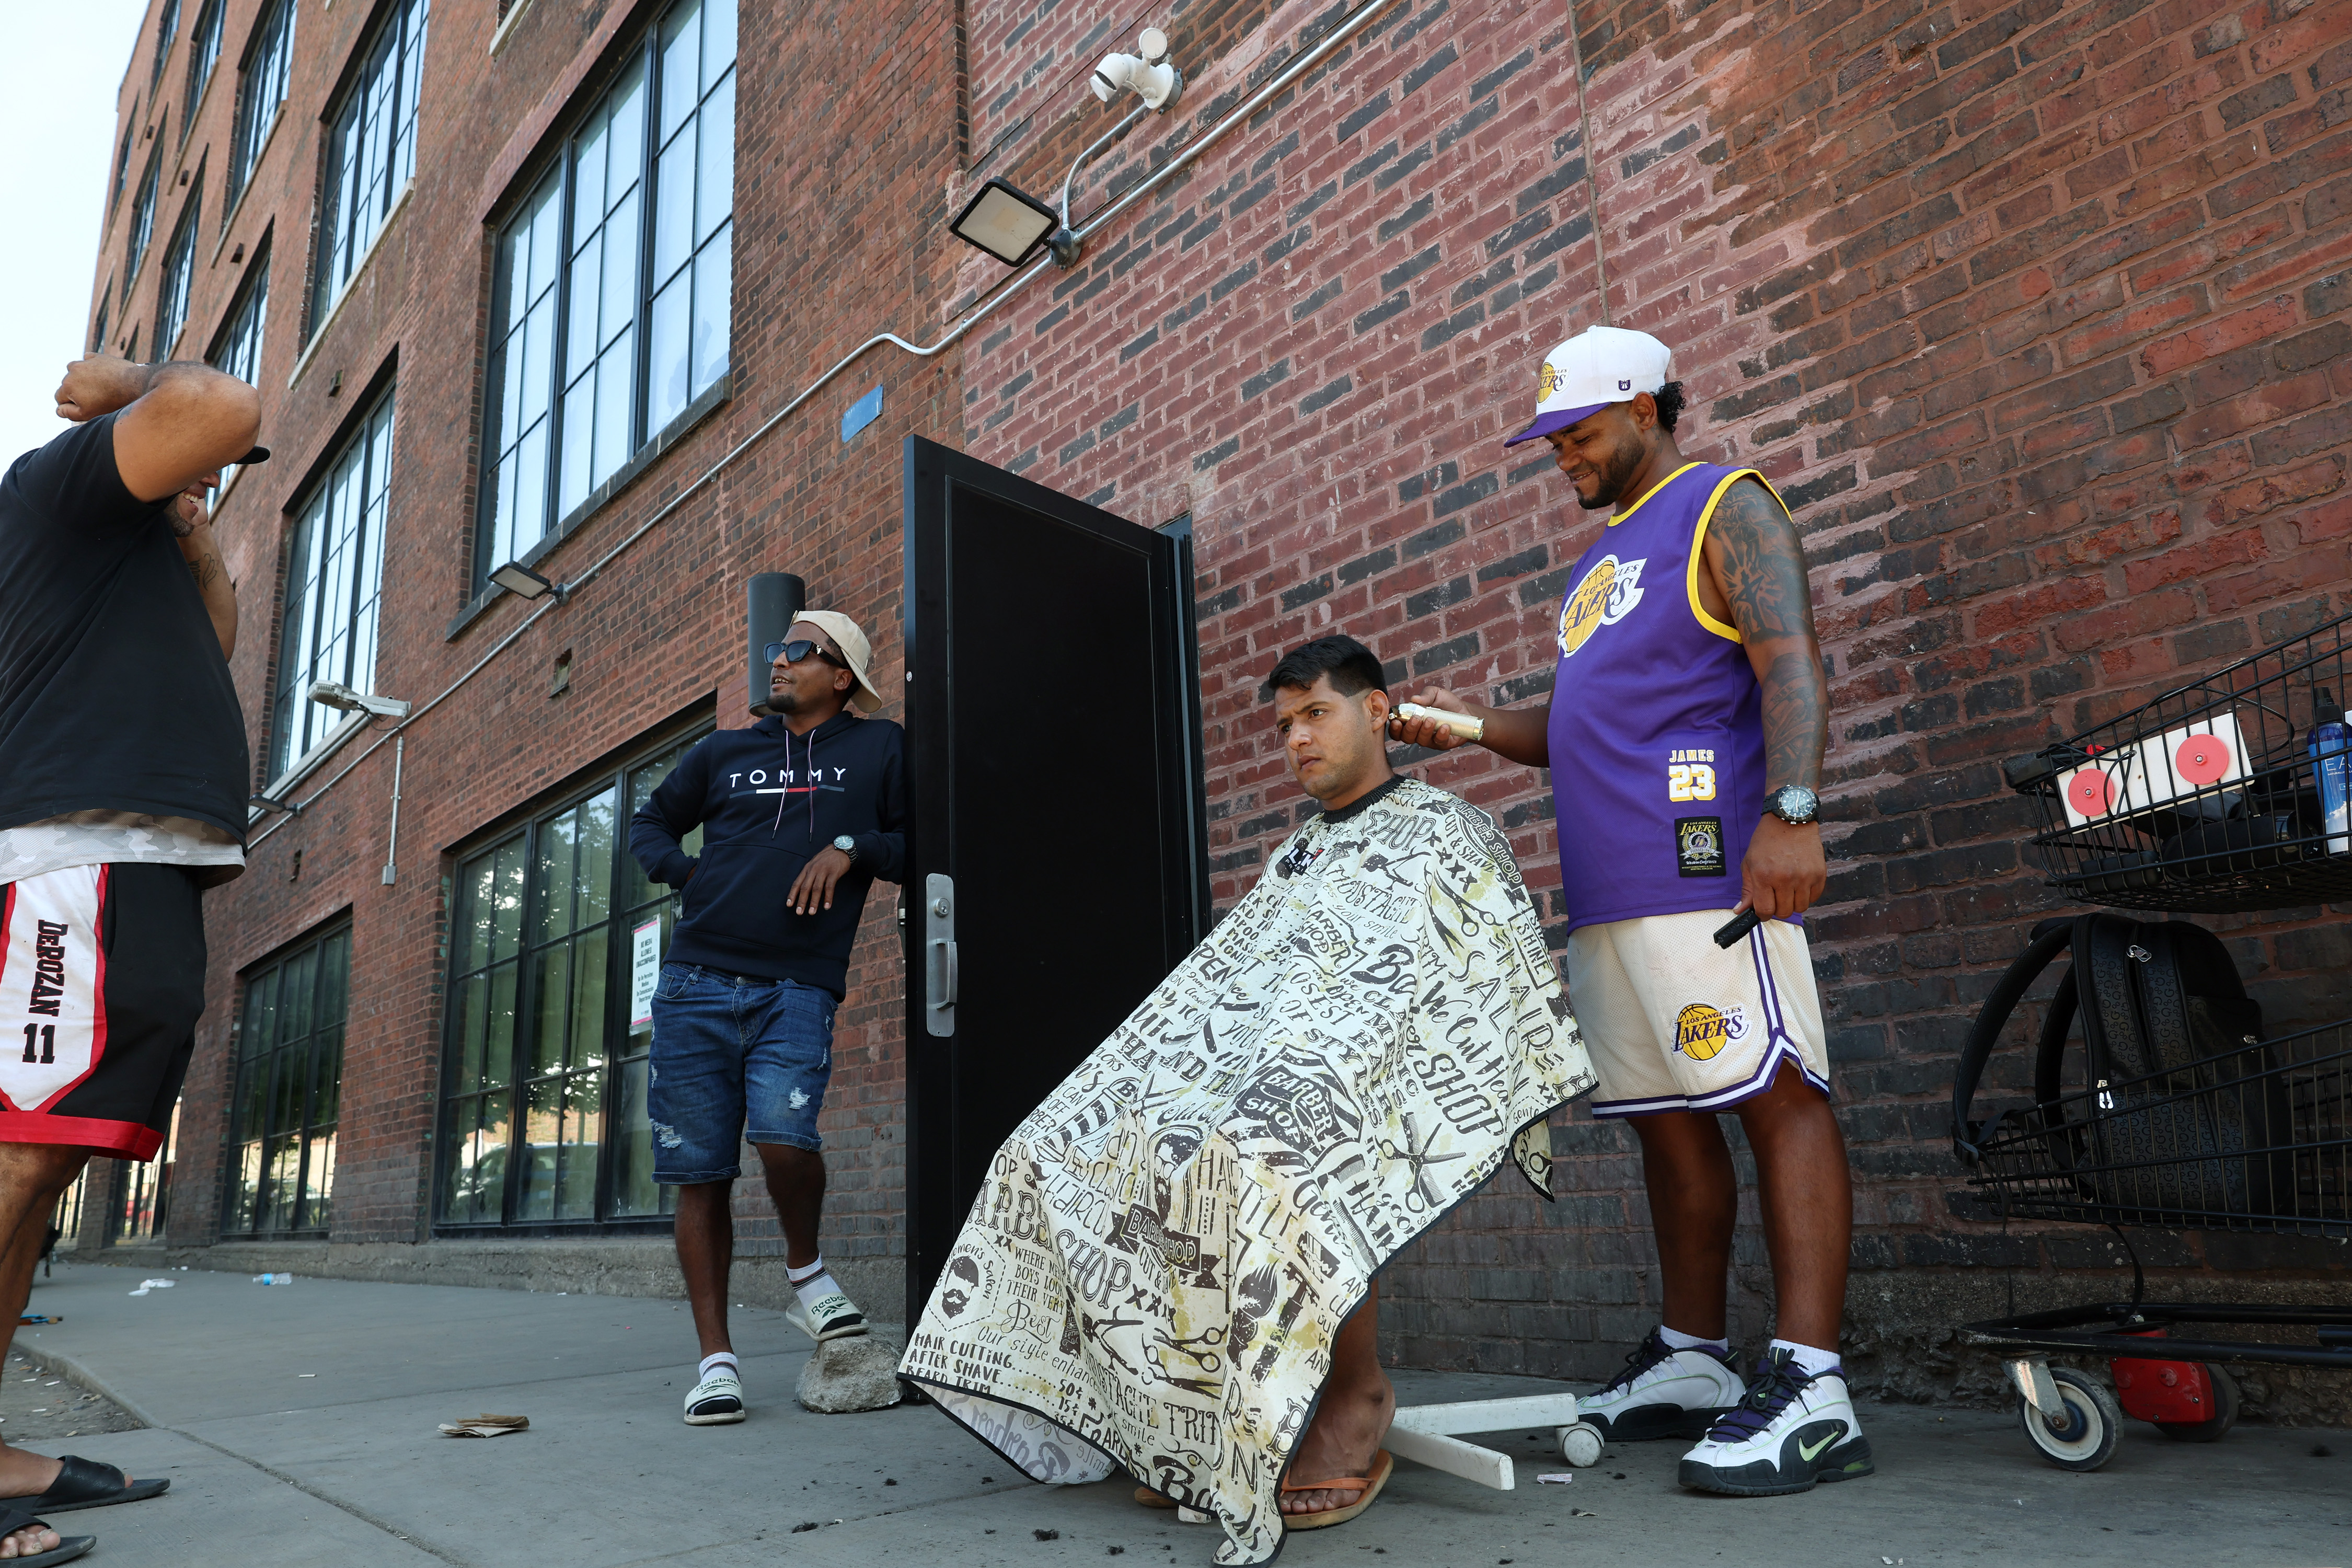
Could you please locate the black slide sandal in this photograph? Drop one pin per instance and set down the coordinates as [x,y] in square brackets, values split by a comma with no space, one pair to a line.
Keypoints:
[86,1483]
[68,1548]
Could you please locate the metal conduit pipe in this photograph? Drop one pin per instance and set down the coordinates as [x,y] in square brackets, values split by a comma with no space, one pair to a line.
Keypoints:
[1188,154]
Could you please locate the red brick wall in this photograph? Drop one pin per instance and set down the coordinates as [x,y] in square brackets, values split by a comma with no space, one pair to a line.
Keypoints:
[2036,316]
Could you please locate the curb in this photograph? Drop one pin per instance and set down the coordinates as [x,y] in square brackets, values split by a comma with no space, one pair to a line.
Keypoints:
[74,1372]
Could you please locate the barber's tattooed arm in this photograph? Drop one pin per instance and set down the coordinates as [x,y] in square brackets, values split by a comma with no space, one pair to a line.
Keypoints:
[193,534]
[1755,573]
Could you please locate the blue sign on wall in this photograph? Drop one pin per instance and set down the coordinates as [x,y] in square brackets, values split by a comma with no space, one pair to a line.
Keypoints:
[861,413]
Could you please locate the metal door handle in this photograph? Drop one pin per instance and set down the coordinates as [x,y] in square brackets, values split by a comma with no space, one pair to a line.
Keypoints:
[938,956]
[940,982]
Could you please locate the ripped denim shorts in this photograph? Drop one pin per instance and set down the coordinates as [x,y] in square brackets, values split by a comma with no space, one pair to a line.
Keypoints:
[732,1058]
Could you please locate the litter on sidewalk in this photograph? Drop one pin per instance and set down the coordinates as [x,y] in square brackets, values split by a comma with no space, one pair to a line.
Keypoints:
[1556,1479]
[147,1285]
[273,1279]
[484,1426]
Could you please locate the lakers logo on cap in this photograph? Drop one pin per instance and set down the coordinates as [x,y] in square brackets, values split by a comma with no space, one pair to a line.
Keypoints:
[1546,383]
[1605,595]
[1701,1031]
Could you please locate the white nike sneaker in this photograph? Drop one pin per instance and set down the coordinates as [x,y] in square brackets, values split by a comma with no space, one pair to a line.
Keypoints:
[716,1400]
[1663,1393]
[1791,1429]
[832,1317]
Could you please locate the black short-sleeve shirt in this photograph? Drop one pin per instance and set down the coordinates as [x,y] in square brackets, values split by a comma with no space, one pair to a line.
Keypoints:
[113,691]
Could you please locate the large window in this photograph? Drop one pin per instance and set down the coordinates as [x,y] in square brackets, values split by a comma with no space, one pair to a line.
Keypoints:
[280,1170]
[142,218]
[610,307]
[371,149]
[331,585]
[167,27]
[144,1205]
[238,352]
[260,93]
[555,936]
[179,273]
[204,53]
[122,166]
[98,331]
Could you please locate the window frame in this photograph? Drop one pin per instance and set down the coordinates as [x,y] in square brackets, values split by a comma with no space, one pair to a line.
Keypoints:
[386,46]
[255,282]
[622,918]
[175,288]
[365,581]
[233,1129]
[167,32]
[203,57]
[122,165]
[249,139]
[560,170]
[143,217]
[97,330]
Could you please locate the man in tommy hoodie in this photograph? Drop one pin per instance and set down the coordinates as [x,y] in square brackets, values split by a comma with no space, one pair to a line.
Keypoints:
[799,813]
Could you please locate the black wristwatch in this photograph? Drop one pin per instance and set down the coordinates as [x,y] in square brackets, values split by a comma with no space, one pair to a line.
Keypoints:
[847,845]
[1794,804]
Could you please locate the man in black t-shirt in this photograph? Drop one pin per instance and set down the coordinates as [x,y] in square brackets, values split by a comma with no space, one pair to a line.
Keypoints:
[121,796]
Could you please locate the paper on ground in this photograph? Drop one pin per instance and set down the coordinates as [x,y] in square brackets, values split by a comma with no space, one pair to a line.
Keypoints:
[484,1426]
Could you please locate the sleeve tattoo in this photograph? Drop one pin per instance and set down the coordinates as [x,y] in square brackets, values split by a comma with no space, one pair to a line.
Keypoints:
[1771,601]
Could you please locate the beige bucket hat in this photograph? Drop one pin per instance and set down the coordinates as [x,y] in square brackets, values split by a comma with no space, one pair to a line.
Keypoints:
[855,651]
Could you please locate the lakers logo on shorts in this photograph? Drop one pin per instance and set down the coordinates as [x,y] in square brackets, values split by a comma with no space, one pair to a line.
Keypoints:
[1603,596]
[1701,1031]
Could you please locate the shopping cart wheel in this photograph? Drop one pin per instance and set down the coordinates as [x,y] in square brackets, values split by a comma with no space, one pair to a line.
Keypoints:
[2085,1437]
[2225,1416]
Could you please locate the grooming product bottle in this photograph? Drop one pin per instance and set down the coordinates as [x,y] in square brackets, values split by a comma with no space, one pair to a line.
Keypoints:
[2331,755]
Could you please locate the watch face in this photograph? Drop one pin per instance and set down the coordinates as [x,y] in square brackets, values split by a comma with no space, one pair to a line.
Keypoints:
[1795,801]
[844,844]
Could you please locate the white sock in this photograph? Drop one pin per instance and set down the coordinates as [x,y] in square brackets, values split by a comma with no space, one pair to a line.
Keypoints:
[814,1283]
[718,1359]
[1678,1341]
[1811,1359]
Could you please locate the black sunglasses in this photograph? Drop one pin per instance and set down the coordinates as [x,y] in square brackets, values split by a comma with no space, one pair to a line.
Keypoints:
[794,652]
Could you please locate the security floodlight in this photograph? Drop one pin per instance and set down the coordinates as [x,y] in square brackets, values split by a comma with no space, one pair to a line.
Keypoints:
[271,803]
[1147,74]
[525,584]
[1006,222]
[327,694]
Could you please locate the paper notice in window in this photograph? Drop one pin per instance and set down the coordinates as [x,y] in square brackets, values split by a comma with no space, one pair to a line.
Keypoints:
[644,970]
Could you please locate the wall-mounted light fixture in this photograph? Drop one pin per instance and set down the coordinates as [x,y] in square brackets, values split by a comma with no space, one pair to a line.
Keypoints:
[1007,222]
[271,803]
[525,584]
[1147,72]
[330,694]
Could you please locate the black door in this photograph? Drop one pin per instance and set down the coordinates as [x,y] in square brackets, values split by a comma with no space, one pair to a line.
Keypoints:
[1058,868]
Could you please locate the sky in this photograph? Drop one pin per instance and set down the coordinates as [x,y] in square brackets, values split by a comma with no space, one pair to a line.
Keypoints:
[59,66]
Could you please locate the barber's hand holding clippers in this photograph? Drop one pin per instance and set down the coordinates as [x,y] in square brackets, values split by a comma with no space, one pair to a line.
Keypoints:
[1783,872]
[1436,719]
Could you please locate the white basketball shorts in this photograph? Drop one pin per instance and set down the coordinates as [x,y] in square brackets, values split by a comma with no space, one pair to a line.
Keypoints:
[1675,1022]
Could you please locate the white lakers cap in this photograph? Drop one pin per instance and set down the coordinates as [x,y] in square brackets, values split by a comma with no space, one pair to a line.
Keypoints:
[1599,366]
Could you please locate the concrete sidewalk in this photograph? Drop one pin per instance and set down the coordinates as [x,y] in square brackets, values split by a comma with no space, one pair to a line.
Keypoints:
[297,1426]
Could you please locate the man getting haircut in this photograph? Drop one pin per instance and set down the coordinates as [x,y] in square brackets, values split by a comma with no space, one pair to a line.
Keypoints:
[1172,1264]
[1684,734]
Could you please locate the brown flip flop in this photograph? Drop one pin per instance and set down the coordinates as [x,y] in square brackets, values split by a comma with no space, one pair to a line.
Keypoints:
[1368,1486]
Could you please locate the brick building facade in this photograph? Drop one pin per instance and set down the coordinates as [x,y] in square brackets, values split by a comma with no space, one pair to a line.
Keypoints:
[2036,313]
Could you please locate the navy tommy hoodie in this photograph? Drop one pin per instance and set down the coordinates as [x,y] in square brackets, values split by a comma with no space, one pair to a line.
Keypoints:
[767,801]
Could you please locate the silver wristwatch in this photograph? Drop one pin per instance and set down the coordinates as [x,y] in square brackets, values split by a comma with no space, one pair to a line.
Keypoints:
[1794,804]
[847,845]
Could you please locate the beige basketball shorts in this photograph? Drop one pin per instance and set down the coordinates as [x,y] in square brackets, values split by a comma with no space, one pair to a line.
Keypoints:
[1675,1022]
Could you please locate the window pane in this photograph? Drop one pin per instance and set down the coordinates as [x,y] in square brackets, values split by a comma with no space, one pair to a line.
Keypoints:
[584,1126]
[674,198]
[506,929]
[665,378]
[288,1092]
[588,1019]
[542,1130]
[373,148]
[711,282]
[714,194]
[332,587]
[681,57]
[718,40]
[549,1022]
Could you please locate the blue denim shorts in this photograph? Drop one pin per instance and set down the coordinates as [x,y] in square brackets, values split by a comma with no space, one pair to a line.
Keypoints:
[733,1059]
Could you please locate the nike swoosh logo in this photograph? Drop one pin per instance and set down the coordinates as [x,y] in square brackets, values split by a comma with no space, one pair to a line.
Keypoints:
[1811,1453]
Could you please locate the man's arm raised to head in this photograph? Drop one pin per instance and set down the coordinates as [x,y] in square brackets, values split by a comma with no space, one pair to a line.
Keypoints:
[1755,564]
[181,420]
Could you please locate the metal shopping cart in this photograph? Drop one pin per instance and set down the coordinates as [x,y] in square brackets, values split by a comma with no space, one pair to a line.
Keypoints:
[2156,1097]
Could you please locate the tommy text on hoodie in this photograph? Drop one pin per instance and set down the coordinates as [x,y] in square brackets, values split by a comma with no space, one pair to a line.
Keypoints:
[767,802]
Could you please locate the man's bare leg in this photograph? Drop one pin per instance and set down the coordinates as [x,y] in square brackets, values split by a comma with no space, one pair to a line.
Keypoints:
[705,1230]
[1694,1207]
[1358,1404]
[31,1177]
[1806,1190]
[796,1185]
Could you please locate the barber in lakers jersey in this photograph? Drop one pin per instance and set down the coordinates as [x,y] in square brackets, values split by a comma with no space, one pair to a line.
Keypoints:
[1683,735]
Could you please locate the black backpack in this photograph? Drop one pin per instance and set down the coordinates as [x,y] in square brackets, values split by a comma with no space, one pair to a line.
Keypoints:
[2182,1118]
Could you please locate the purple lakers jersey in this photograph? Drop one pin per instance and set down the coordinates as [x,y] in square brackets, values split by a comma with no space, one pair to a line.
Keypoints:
[1657,726]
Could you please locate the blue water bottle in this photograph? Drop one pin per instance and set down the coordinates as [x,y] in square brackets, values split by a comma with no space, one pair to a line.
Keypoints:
[2331,756]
